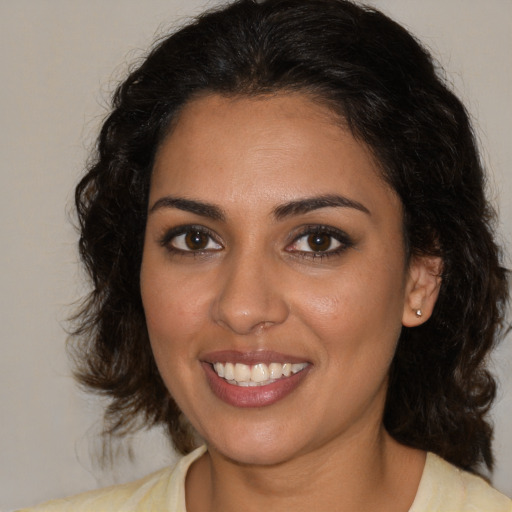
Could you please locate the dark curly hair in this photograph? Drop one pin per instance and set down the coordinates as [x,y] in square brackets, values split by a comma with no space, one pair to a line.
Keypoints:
[386,87]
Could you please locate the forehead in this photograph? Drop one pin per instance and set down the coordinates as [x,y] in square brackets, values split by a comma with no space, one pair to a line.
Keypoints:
[264,149]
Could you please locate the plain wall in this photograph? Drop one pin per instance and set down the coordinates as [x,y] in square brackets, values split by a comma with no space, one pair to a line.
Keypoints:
[60,61]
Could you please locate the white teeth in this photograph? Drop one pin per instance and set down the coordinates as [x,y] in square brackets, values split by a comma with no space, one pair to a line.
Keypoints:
[260,374]
[298,367]
[229,371]
[275,369]
[219,368]
[242,372]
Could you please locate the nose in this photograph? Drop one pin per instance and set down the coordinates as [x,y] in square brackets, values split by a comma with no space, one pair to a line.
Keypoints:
[250,296]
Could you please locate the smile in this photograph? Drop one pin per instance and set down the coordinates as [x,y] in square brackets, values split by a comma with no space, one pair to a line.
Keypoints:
[253,379]
[260,374]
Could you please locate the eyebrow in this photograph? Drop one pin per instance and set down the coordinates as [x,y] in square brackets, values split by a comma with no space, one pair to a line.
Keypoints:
[289,209]
[189,205]
[315,203]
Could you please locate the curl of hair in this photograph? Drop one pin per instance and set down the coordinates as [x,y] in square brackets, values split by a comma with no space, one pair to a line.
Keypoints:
[384,85]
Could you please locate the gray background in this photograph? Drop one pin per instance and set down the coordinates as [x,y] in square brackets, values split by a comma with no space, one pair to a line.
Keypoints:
[60,61]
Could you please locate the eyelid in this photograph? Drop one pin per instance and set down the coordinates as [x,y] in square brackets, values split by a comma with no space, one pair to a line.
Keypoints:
[344,240]
[339,235]
[172,233]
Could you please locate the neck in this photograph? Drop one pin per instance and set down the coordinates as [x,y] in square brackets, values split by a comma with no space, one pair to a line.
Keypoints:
[371,471]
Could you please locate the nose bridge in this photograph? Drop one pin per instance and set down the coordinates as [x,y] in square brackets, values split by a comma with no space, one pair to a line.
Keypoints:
[249,296]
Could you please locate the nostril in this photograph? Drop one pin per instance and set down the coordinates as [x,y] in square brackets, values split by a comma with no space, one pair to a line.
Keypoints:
[248,299]
[249,321]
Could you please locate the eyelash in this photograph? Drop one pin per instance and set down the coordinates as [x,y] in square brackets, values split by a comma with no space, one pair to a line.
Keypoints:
[174,233]
[333,233]
[345,242]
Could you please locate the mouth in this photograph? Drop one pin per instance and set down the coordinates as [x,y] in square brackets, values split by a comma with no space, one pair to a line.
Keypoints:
[255,379]
[260,374]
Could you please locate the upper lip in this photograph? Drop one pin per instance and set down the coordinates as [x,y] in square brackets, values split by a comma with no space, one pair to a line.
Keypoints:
[250,358]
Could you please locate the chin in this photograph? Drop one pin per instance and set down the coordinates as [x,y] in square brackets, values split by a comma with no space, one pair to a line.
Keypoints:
[268,456]
[264,448]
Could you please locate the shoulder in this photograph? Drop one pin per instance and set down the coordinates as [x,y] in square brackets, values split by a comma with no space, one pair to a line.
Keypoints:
[126,497]
[163,490]
[446,488]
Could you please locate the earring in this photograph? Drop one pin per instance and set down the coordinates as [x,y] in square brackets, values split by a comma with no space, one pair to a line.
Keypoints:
[419,313]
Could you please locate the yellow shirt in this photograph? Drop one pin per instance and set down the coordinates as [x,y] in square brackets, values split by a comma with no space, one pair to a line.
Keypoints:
[443,488]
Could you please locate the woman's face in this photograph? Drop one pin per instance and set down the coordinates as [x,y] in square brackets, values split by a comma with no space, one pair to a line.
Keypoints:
[274,278]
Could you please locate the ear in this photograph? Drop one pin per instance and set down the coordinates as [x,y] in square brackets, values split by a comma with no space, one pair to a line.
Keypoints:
[421,289]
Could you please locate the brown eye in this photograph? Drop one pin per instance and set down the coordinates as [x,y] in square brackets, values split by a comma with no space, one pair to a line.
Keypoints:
[196,240]
[319,242]
[190,239]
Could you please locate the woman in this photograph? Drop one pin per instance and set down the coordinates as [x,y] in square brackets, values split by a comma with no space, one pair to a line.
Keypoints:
[294,269]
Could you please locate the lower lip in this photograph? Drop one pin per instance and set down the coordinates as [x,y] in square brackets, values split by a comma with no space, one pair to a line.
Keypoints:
[254,396]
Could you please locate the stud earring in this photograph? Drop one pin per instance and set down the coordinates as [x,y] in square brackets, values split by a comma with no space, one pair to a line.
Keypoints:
[419,314]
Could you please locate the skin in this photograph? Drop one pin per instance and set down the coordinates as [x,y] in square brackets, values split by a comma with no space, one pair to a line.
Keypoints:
[258,285]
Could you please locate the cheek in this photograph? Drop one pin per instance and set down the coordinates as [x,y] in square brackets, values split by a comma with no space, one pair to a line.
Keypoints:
[174,310]
[357,307]
[172,320]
